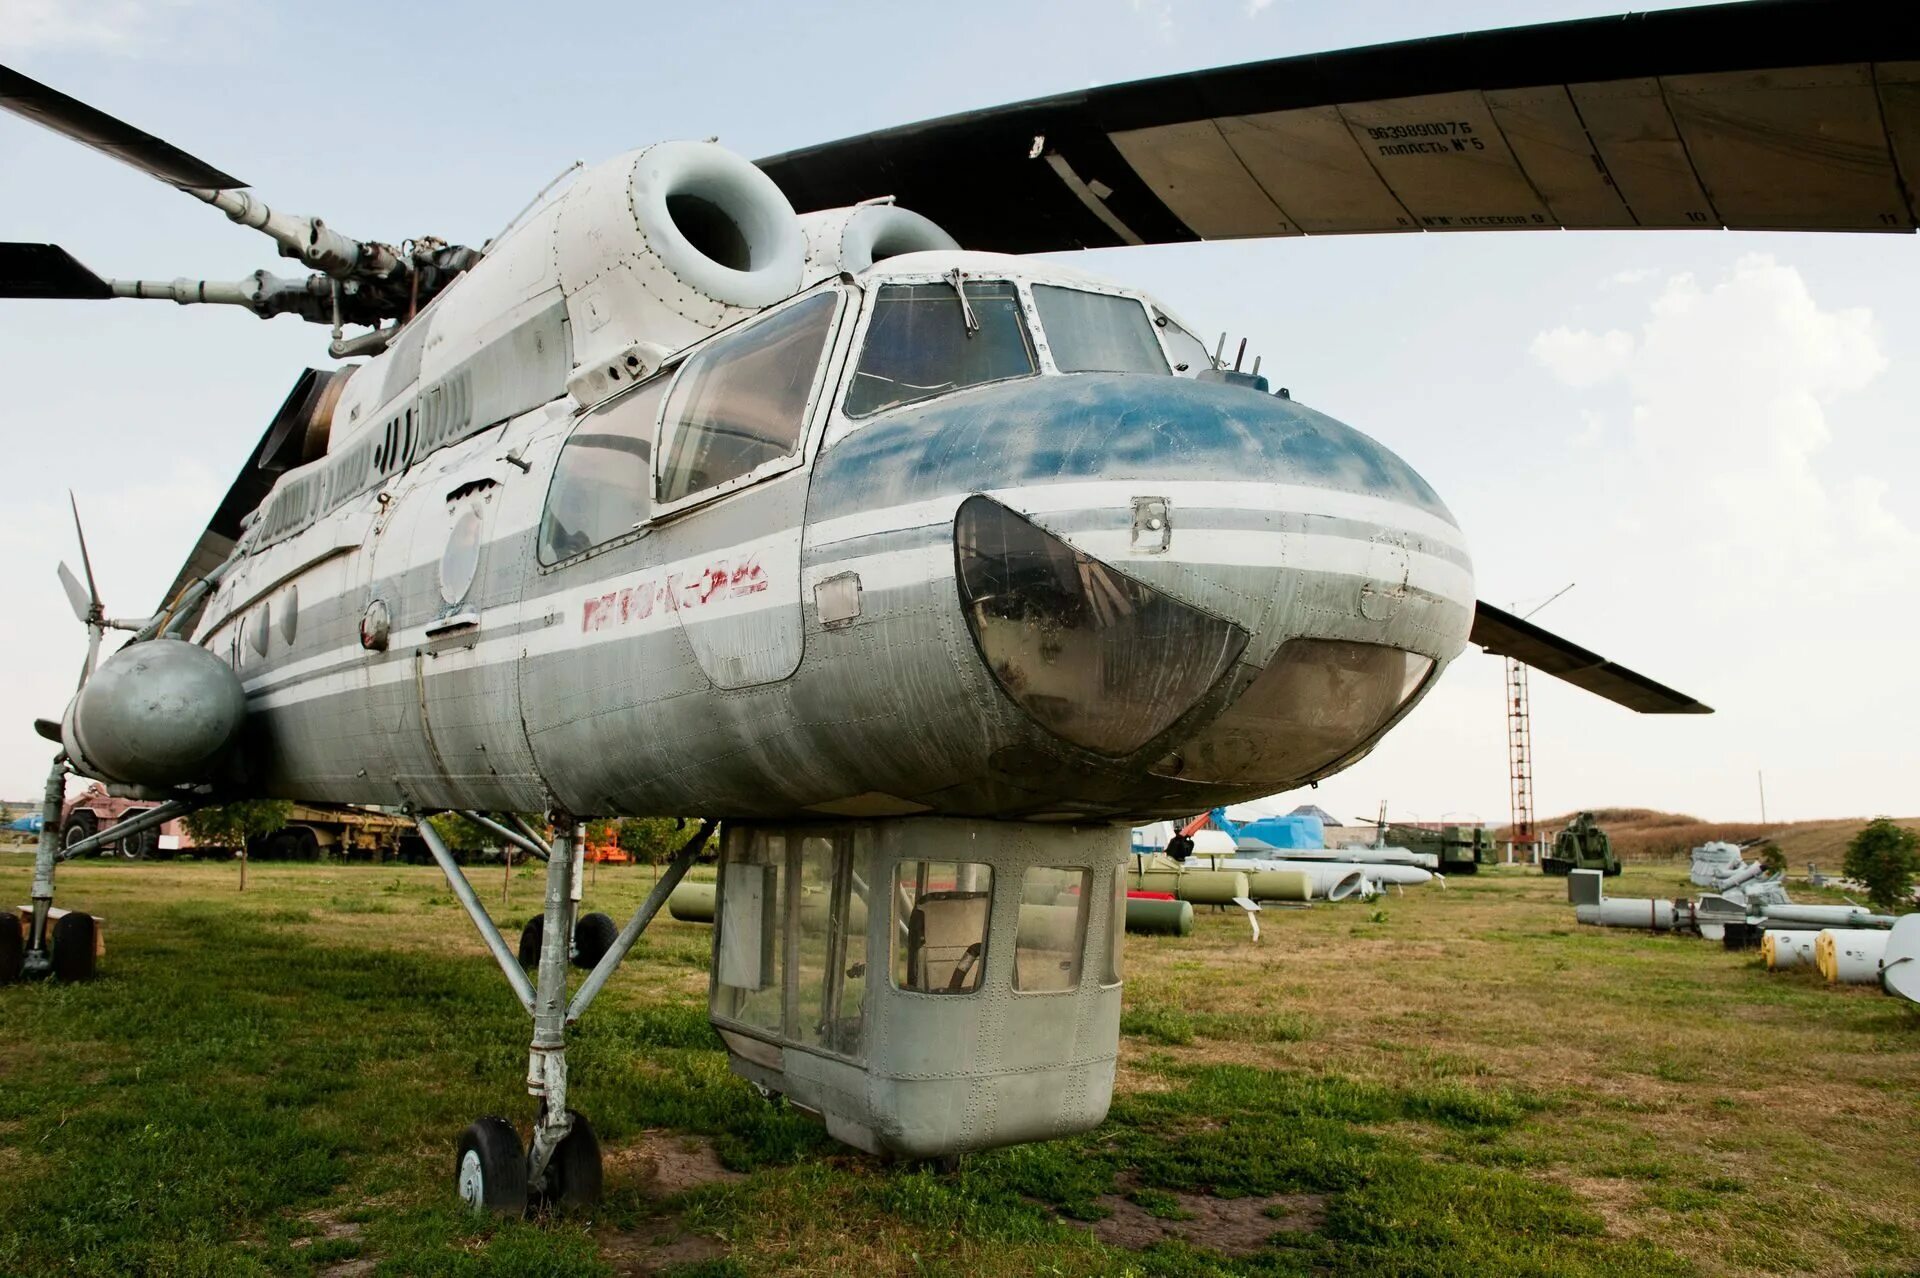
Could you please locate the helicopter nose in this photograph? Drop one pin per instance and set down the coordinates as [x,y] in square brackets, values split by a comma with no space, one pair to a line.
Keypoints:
[1132,550]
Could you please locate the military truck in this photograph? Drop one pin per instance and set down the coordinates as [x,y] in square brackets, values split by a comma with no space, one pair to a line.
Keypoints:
[1462,849]
[1583,845]
[311,832]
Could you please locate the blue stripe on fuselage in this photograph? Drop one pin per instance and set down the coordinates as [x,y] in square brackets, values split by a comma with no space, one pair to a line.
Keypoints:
[1103,425]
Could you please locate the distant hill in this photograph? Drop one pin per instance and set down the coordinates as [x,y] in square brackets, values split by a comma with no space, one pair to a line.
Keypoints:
[1645,834]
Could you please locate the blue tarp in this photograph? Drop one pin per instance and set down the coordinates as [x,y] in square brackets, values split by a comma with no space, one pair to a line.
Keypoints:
[1280,832]
[27,824]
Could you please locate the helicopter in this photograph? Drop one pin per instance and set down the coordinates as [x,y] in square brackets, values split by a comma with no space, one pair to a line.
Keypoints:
[797,494]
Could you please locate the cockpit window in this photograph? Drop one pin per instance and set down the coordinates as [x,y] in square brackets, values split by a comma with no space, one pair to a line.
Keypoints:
[742,402]
[601,482]
[1097,332]
[921,342]
[1189,352]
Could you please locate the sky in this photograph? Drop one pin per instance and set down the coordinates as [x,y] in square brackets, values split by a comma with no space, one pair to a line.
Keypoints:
[1712,434]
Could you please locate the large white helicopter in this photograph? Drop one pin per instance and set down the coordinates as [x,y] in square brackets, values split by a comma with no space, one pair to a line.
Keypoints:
[924,566]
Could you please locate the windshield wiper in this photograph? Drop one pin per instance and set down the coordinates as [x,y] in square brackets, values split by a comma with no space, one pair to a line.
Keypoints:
[966,308]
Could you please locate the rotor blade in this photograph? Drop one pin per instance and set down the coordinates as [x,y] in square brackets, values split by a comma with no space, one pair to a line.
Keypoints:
[1505,635]
[47,271]
[76,594]
[90,127]
[1785,115]
[86,561]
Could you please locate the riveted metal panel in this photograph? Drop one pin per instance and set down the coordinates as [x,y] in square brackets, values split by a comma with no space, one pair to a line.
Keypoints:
[1801,149]
[1195,172]
[1311,165]
[1551,144]
[1445,160]
[1637,140]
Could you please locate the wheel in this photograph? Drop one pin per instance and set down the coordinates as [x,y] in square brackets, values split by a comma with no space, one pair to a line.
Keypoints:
[144,845]
[305,844]
[593,936]
[573,1174]
[73,941]
[13,946]
[530,937]
[81,825]
[490,1168]
[283,846]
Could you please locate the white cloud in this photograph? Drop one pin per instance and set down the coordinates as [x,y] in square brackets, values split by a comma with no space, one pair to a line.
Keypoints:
[1631,276]
[1733,387]
[1257,7]
[1580,358]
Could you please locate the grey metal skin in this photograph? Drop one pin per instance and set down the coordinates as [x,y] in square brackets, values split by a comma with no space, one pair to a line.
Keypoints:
[941,1074]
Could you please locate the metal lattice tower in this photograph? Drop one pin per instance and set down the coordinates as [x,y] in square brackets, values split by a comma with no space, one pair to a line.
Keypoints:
[1519,758]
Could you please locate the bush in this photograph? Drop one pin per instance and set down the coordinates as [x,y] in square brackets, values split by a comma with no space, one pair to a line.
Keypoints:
[231,825]
[1885,857]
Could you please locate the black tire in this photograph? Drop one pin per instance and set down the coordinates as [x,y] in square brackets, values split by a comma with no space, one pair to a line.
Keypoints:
[490,1169]
[73,941]
[142,846]
[81,825]
[530,938]
[593,936]
[573,1174]
[13,947]
[305,844]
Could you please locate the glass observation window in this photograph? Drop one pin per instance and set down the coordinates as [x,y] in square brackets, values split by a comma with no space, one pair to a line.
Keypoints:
[1097,332]
[922,342]
[940,925]
[601,482]
[1189,352]
[742,402]
[1053,928]
[1116,928]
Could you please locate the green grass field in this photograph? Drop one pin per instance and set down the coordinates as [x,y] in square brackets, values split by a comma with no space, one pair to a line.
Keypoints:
[1454,1082]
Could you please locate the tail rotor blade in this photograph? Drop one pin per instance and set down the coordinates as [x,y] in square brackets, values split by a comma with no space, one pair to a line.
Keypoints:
[86,562]
[76,594]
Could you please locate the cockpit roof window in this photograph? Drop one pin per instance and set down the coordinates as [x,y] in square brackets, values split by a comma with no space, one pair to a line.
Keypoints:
[922,342]
[1097,332]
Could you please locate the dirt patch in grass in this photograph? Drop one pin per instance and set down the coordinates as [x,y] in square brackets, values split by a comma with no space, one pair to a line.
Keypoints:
[1230,1226]
[661,1245]
[661,1164]
[1608,1197]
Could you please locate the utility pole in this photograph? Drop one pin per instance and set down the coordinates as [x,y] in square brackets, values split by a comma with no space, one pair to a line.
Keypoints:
[1762,778]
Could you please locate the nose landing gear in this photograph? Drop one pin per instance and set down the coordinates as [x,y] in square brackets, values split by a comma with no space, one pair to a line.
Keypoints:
[561,1168]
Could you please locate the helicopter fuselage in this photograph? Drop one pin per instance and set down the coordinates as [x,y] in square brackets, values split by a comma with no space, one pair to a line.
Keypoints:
[1048,595]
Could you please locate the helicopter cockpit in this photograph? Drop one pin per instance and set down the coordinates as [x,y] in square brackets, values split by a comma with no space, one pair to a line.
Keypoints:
[932,333]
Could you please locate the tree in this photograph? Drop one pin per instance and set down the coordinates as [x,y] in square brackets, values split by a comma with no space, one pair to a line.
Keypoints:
[654,840]
[231,825]
[461,836]
[1885,857]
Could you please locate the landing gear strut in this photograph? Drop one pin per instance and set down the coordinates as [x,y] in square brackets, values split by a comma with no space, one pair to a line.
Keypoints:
[60,944]
[561,1166]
